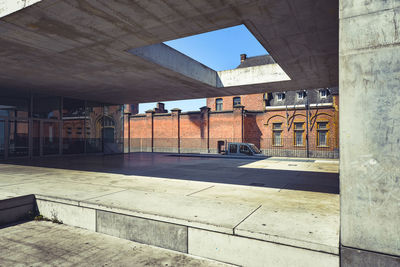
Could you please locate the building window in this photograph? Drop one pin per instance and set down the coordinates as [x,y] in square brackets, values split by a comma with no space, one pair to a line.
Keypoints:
[280,96]
[277,134]
[232,149]
[323,93]
[244,150]
[236,101]
[322,135]
[298,133]
[218,104]
[301,95]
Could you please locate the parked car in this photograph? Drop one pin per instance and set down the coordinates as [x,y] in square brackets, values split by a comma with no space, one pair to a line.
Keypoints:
[240,149]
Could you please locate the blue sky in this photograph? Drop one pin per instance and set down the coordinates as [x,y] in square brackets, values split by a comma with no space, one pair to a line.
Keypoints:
[219,50]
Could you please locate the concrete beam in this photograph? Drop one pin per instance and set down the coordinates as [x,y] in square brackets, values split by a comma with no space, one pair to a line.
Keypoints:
[7,7]
[172,59]
[79,50]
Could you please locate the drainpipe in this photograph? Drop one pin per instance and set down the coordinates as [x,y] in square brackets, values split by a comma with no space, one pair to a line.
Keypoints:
[307,143]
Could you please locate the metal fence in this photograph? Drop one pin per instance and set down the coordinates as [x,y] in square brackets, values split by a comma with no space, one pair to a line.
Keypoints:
[283,147]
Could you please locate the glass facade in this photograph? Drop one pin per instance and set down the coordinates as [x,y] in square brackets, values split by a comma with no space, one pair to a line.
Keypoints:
[2,138]
[43,125]
[74,116]
[18,145]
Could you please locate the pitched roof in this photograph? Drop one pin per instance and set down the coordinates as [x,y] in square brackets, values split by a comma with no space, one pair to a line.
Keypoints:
[256,61]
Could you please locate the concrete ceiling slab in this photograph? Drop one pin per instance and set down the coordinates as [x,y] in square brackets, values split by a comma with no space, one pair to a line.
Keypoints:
[79,48]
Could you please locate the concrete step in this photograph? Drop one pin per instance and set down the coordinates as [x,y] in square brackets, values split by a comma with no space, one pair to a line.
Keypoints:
[208,239]
[15,209]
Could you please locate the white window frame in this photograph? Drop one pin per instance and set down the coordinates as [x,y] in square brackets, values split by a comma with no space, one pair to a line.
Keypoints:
[300,95]
[280,96]
[325,91]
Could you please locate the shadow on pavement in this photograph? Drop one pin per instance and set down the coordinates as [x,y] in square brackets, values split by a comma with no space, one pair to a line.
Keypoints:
[216,170]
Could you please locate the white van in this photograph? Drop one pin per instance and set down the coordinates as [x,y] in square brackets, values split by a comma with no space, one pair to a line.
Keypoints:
[240,149]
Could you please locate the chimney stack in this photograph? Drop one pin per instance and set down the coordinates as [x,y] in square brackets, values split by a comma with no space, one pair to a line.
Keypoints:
[243,57]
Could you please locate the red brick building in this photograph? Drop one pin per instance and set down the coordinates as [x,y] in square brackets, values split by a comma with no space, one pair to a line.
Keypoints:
[277,123]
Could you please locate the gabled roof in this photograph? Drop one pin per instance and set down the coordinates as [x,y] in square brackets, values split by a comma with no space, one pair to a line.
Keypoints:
[257,61]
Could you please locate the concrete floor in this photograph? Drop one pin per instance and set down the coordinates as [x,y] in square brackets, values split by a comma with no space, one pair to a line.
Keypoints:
[283,173]
[40,243]
[255,199]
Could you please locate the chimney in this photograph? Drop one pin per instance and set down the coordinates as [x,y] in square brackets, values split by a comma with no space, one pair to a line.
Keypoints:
[243,57]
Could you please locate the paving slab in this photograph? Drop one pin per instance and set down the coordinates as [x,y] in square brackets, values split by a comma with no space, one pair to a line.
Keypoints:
[29,174]
[291,217]
[201,213]
[47,244]
[252,252]
[293,225]
[327,166]
[70,191]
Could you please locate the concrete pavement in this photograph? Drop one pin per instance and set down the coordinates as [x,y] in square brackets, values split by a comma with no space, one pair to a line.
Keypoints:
[284,209]
[40,243]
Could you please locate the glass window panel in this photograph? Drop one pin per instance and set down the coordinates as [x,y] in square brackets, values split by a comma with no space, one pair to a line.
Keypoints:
[51,135]
[298,126]
[322,138]
[218,104]
[233,148]
[299,138]
[245,150]
[277,138]
[36,138]
[112,128]
[236,101]
[322,125]
[2,139]
[47,107]
[18,139]
[277,126]
[94,114]
[14,107]
[74,116]
[280,96]
[73,108]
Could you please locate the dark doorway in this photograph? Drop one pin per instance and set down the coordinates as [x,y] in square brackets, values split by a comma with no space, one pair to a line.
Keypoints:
[221,146]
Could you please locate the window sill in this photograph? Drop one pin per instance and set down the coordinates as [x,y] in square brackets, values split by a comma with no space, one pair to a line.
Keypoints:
[277,145]
[323,146]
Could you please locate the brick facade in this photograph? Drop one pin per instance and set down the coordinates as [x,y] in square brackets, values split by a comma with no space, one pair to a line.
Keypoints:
[200,131]
[277,123]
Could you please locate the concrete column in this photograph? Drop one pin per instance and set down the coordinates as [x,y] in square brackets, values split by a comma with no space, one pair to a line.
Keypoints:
[205,115]
[149,141]
[369,60]
[176,128]
[238,114]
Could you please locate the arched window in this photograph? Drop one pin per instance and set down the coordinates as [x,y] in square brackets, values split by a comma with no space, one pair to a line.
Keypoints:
[236,101]
[277,133]
[218,104]
[299,133]
[107,121]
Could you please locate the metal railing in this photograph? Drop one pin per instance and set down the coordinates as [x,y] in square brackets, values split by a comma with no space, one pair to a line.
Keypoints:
[283,147]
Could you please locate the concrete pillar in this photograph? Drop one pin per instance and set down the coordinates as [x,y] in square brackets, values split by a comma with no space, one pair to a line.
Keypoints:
[369,71]
[205,120]
[176,127]
[238,114]
[148,143]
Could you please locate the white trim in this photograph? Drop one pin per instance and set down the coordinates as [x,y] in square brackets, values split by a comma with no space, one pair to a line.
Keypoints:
[299,106]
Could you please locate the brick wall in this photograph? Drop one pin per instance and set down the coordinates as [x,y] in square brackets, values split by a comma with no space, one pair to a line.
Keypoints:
[199,132]
[251,101]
